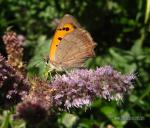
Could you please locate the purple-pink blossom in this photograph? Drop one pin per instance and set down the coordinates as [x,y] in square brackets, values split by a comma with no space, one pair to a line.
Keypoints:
[81,86]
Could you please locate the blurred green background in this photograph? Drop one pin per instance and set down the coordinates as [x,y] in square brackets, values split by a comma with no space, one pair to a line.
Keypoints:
[122,32]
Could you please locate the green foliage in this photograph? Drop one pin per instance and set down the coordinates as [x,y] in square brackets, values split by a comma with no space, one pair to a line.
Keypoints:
[121,29]
[7,121]
[147,11]
[37,64]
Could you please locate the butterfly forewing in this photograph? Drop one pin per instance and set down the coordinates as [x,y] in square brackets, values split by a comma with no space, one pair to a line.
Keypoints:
[68,19]
[66,25]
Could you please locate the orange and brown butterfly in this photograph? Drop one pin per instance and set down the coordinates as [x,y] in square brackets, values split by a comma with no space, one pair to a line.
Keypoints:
[71,44]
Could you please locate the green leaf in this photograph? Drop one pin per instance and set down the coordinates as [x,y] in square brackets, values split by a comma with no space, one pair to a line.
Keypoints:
[69,120]
[37,64]
[147,11]
[6,118]
[113,115]
[109,111]
[133,98]
[137,47]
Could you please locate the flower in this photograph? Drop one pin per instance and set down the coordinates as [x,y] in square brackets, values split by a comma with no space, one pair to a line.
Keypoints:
[74,89]
[12,86]
[81,86]
[32,113]
[40,93]
[14,50]
[35,106]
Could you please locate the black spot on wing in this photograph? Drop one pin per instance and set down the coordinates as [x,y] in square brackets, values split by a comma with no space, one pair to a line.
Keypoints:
[59,38]
[67,28]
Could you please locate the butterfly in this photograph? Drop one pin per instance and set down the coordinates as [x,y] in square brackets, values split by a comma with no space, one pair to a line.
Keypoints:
[71,44]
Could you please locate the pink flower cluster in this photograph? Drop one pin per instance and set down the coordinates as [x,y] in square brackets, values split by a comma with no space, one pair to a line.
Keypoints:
[81,86]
